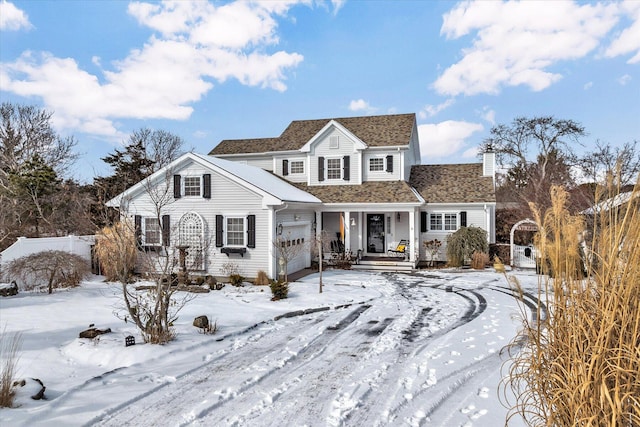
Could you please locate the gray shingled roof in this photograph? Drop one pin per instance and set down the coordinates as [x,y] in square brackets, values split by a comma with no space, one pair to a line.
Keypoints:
[367,192]
[375,131]
[461,183]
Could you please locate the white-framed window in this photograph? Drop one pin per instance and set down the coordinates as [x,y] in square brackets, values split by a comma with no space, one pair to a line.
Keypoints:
[376,164]
[152,232]
[235,231]
[296,166]
[334,142]
[192,186]
[443,221]
[334,168]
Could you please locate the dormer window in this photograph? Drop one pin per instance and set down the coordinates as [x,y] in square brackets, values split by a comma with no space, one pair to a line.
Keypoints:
[376,164]
[297,166]
[334,168]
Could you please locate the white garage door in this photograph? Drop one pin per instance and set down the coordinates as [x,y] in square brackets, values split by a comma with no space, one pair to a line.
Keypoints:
[296,239]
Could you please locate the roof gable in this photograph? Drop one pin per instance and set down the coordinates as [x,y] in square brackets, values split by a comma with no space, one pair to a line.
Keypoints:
[358,143]
[456,183]
[375,131]
[251,177]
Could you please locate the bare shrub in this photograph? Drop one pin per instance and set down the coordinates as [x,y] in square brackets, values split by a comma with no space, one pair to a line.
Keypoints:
[50,269]
[9,355]
[262,279]
[479,260]
[580,365]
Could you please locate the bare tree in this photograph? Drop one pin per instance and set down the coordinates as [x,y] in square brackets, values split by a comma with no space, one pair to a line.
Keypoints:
[153,309]
[33,162]
[26,132]
[538,153]
[161,147]
[286,249]
[622,164]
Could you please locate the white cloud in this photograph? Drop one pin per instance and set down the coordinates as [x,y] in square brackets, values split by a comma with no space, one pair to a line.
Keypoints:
[517,42]
[588,86]
[624,79]
[176,67]
[432,110]
[445,138]
[361,105]
[628,41]
[12,18]
[488,115]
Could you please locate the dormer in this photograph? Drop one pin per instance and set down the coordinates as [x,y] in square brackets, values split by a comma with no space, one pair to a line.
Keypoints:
[334,156]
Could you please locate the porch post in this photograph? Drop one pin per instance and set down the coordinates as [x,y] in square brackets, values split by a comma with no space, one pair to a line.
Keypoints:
[347,231]
[412,236]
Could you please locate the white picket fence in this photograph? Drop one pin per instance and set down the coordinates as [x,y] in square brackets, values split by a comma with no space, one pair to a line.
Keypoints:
[524,256]
[79,245]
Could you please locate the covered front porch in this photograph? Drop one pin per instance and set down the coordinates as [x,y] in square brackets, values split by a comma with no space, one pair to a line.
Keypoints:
[375,238]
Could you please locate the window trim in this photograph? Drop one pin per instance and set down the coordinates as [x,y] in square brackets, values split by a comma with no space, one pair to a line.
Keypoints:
[292,162]
[443,221]
[381,166]
[340,168]
[243,232]
[184,185]
[145,242]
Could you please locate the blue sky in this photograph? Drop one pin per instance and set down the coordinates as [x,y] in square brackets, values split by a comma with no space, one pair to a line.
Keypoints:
[208,71]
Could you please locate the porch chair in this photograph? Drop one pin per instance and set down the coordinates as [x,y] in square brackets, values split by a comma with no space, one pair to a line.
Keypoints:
[401,249]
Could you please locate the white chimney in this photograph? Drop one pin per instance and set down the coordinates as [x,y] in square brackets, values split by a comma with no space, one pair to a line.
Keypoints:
[489,163]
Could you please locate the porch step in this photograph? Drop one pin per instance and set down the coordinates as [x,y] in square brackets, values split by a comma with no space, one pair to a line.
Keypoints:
[382,265]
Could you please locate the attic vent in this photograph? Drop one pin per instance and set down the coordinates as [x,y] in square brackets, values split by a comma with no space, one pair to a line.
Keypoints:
[334,142]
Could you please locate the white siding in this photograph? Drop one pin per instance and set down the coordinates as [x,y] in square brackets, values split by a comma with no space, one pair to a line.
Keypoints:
[228,198]
[476,217]
[346,148]
[382,175]
[412,155]
[292,177]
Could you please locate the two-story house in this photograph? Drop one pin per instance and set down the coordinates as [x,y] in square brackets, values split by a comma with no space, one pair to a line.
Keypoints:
[357,180]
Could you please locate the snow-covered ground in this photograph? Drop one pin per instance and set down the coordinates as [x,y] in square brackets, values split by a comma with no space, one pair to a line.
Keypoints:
[389,349]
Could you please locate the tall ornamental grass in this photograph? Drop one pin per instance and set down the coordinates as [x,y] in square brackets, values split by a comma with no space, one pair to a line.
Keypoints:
[581,365]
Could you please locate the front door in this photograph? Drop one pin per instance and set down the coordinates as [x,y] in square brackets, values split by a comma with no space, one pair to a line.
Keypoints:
[375,233]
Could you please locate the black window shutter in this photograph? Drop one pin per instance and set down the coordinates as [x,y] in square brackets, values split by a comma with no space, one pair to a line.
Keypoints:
[138,231]
[423,222]
[285,167]
[219,231]
[251,231]
[166,230]
[176,186]
[206,185]
[320,168]
[389,163]
[463,219]
[346,166]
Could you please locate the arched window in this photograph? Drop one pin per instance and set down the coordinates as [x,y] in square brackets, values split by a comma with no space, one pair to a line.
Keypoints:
[191,233]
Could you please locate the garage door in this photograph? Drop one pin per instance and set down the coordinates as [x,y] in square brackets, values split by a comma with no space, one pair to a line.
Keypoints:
[296,240]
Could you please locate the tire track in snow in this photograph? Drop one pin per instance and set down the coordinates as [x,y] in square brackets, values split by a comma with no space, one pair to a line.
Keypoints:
[237,372]
[407,373]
